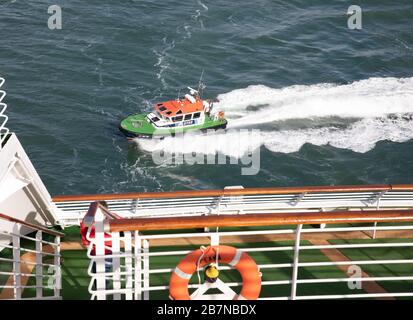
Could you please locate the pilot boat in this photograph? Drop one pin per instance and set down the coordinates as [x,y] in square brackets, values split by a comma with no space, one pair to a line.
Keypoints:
[174,117]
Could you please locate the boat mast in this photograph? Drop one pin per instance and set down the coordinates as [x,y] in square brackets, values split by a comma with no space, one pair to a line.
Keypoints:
[201,86]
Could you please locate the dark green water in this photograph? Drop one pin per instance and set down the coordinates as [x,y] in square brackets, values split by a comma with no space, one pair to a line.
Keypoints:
[267,61]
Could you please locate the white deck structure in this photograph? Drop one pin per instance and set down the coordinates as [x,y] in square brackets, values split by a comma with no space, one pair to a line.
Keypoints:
[25,210]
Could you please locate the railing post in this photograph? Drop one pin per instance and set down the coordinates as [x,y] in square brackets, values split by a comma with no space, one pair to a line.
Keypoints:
[128,266]
[146,270]
[16,262]
[298,198]
[322,225]
[138,267]
[39,264]
[215,238]
[99,260]
[381,194]
[218,207]
[135,204]
[58,271]
[296,261]
[116,278]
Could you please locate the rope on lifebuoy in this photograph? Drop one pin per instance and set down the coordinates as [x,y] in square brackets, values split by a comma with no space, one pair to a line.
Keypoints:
[202,248]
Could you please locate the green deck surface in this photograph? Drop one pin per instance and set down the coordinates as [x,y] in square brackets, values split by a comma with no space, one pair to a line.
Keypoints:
[388,253]
[75,280]
[4,265]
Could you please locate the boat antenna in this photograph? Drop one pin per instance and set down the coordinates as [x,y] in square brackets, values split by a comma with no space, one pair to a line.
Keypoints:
[201,86]
[179,93]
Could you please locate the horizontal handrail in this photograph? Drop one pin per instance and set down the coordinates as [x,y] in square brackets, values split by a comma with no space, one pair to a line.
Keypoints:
[233,192]
[89,218]
[31,225]
[255,220]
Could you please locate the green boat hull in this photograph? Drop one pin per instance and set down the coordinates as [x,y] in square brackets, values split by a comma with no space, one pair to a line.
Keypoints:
[138,126]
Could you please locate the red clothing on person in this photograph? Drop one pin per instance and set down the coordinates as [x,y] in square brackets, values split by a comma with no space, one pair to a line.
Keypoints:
[85,241]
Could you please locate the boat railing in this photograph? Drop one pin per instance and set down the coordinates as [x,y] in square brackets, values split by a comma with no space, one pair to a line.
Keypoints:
[239,200]
[30,260]
[4,131]
[351,258]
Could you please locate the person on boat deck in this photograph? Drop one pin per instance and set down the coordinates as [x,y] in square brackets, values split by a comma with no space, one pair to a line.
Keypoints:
[83,232]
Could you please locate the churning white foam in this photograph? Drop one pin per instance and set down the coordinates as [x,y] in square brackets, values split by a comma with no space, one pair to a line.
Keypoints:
[360,136]
[370,101]
[373,97]
[234,143]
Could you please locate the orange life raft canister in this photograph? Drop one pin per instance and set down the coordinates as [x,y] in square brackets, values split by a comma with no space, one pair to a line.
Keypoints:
[251,276]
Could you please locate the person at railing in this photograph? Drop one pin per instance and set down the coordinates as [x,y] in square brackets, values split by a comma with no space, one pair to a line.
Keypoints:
[86,235]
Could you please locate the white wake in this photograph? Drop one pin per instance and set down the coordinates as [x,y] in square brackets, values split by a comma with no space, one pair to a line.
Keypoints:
[373,97]
[367,103]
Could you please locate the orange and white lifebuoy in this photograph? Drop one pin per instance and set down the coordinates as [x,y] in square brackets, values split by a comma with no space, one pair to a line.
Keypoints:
[241,261]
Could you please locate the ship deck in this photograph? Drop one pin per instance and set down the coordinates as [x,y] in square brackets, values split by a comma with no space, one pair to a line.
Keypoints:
[75,279]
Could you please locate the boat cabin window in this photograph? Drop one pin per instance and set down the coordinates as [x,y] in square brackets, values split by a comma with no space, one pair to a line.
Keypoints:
[162,108]
[178,118]
[179,112]
[197,115]
[155,119]
[168,112]
[188,117]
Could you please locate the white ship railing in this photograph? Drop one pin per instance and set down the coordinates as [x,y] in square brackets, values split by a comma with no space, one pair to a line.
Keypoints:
[4,131]
[243,201]
[32,271]
[132,253]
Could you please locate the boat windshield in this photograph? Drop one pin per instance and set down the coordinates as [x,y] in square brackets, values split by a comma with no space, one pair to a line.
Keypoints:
[158,115]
